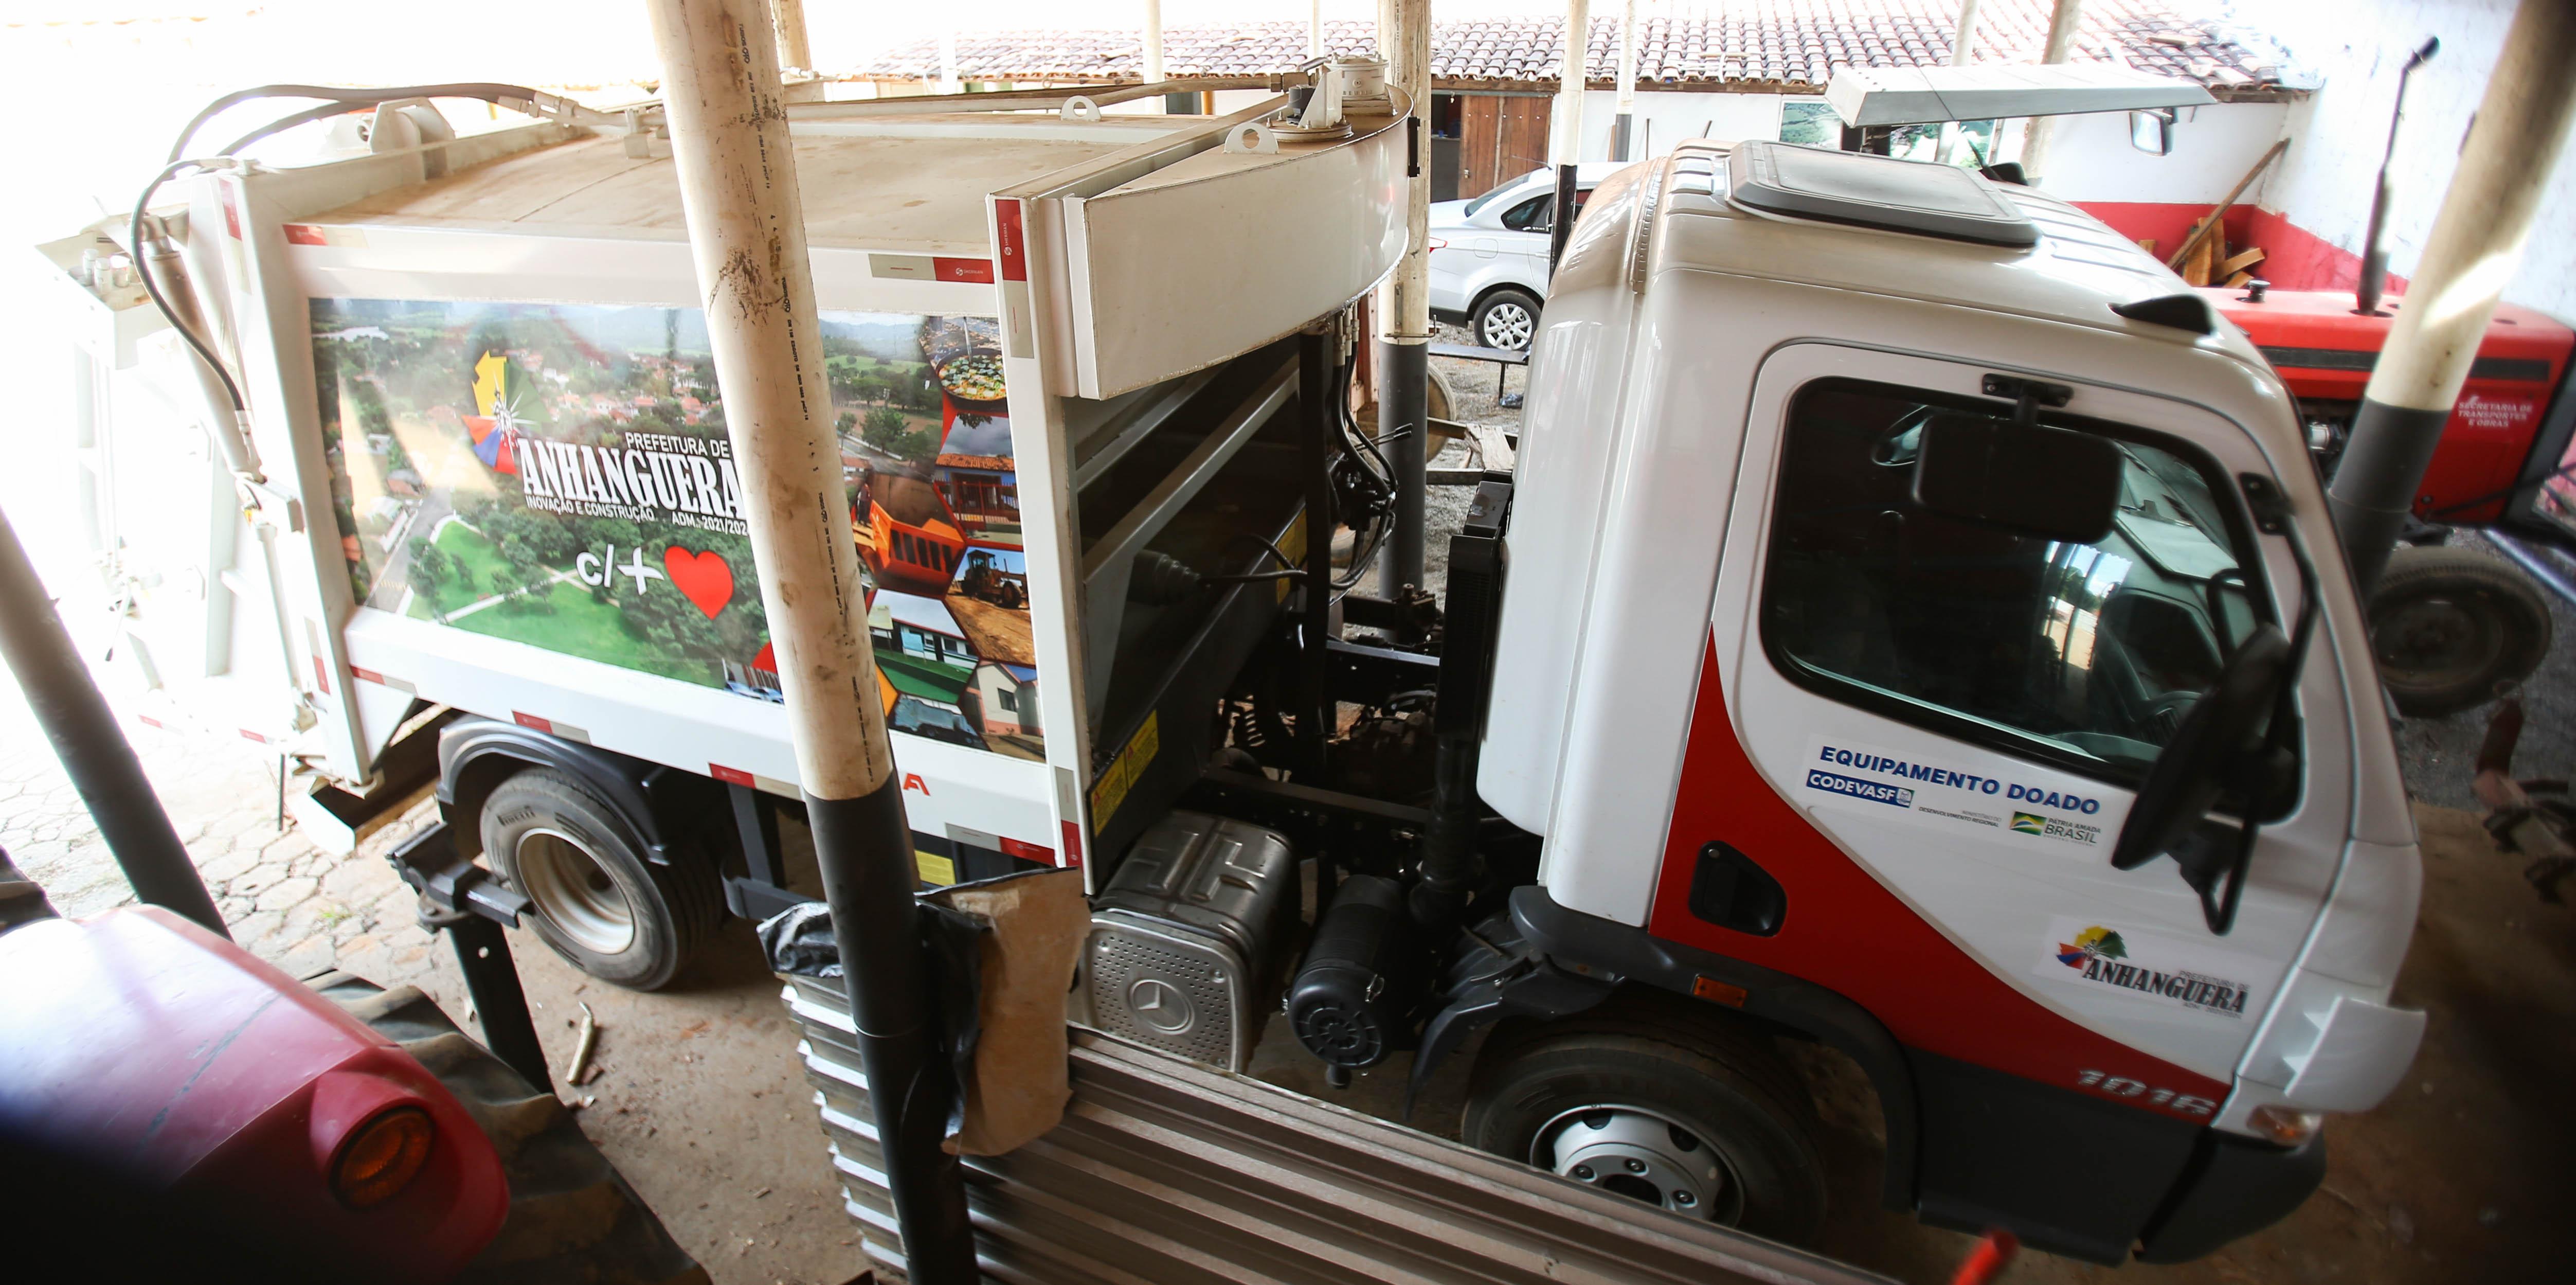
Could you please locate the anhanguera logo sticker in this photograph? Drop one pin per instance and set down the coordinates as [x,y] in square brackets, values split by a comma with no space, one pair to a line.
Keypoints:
[2100,956]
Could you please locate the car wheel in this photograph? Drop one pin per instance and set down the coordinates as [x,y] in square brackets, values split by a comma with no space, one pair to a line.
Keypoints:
[597,901]
[1656,1104]
[1505,319]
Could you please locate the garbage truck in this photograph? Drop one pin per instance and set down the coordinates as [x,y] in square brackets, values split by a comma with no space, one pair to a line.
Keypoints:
[1911,624]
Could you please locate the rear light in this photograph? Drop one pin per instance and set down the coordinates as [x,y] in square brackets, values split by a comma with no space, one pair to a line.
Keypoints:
[1437,244]
[2288,1126]
[382,1157]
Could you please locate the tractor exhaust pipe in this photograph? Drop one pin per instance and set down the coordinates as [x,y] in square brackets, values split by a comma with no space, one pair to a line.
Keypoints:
[729,144]
[2374,257]
[2477,241]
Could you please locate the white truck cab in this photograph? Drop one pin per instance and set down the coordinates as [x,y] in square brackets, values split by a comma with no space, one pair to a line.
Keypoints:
[1775,716]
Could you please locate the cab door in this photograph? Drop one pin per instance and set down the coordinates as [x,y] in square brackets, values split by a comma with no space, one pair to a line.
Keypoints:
[1967,713]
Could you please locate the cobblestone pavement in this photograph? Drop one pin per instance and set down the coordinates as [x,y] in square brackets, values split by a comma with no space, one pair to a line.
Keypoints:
[284,899]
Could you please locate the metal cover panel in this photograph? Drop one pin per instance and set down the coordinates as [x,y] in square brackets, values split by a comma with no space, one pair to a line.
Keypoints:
[1874,191]
[1164,1171]
[1216,255]
[1919,95]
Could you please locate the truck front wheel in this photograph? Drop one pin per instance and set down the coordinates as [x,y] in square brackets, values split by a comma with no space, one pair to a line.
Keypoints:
[2452,627]
[598,902]
[1649,1104]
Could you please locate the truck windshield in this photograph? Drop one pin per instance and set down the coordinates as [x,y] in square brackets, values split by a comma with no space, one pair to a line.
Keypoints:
[2084,654]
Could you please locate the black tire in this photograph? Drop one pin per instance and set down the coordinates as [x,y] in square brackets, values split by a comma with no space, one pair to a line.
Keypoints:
[573,1217]
[1716,1086]
[597,901]
[1507,318]
[2453,627]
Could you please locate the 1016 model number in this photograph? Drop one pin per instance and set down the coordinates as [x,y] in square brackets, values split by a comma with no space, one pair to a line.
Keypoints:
[2121,1086]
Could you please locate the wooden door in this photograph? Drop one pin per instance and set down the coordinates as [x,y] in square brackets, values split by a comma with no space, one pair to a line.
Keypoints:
[1501,137]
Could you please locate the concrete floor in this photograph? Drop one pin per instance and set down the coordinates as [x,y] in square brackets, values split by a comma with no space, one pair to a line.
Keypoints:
[698,1096]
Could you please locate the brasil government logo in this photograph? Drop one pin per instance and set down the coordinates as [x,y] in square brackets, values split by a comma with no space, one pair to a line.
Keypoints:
[2028,823]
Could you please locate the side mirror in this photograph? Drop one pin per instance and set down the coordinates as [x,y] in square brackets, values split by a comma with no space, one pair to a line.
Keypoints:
[2152,131]
[2049,482]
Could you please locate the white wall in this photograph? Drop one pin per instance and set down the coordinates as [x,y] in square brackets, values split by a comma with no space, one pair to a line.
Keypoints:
[1676,117]
[2090,158]
[2356,47]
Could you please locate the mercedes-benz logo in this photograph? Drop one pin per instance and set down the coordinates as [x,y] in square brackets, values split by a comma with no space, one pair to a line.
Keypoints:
[1161,1005]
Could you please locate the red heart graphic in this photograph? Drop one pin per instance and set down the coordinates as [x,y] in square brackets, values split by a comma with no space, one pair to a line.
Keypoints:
[704,577]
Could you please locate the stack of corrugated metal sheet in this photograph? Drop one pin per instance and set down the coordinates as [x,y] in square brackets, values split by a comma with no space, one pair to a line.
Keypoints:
[1167,1172]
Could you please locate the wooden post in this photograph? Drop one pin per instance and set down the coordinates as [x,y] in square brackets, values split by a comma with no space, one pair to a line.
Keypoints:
[1153,41]
[2477,241]
[1963,46]
[794,50]
[2061,41]
[1624,125]
[729,149]
[1566,143]
[1403,309]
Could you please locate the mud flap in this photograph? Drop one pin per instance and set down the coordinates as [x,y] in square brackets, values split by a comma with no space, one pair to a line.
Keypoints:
[1495,975]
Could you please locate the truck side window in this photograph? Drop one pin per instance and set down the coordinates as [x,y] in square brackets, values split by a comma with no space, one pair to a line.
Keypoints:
[2086,656]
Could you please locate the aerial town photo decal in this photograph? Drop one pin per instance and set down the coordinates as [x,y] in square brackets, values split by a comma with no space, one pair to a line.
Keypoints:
[559,475]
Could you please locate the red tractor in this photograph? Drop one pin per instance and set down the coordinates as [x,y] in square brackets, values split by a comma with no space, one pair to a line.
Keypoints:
[2451,626]
[170,1105]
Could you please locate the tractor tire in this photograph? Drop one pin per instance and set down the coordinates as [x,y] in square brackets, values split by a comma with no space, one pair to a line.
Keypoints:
[1652,1101]
[597,901]
[2453,628]
[1507,319]
[572,1217]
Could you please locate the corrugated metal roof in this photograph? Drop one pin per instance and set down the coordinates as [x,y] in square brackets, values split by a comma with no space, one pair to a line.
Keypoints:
[1746,45]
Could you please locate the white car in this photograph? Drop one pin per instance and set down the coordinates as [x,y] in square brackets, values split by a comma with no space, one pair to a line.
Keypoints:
[1489,255]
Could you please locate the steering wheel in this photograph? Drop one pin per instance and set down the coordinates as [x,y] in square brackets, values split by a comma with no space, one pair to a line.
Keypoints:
[2213,737]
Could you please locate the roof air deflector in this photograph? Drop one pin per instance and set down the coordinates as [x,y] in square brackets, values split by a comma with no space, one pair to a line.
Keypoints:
[1874,192]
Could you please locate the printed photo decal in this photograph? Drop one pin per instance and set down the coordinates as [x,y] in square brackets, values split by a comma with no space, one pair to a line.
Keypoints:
[560,476]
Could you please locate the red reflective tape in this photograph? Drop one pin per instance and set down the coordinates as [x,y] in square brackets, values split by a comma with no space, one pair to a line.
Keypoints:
[1028,851]
[305,234]
[232,213]
[322,675]
[368,675]
[729,775]
[249,735]
[1010,243]
[975,270]
[147,720]
[1073,843]
[531,720]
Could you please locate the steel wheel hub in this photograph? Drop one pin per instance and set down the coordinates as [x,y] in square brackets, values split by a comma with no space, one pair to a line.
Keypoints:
[574,892]
[1508,325]
[1640,1155]
[2437,637]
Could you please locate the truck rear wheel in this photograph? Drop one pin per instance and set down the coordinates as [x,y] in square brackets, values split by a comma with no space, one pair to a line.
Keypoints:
[2451,627]
[1642,1100]
[598,902]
